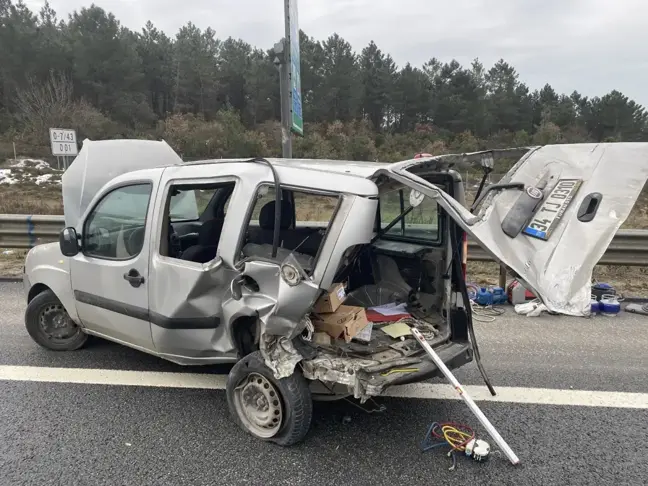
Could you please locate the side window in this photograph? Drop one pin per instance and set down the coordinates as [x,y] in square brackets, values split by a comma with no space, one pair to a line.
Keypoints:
[116,226]
[305,218]
[189,204]
[196,213]
[421,224]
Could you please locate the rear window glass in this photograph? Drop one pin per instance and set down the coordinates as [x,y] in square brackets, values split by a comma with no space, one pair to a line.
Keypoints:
[420,224]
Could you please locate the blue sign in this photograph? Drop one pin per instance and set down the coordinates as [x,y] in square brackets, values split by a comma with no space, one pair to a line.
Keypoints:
[297,118]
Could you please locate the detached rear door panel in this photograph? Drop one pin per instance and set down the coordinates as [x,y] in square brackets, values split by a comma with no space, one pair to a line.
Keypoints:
[584,193]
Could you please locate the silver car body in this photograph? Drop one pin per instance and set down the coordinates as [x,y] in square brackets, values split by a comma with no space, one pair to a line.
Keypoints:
[185,311]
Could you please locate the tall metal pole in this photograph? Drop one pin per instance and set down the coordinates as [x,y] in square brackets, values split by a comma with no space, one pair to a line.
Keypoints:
[286,59]
[286,122]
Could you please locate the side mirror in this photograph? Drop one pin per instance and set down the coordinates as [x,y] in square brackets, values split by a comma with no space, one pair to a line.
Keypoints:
[69,242]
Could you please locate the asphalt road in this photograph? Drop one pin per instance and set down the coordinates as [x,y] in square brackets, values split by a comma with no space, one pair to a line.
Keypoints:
[65,433]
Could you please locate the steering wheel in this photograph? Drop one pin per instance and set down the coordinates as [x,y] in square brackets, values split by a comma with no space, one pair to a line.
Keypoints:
[98,240]
[135,241]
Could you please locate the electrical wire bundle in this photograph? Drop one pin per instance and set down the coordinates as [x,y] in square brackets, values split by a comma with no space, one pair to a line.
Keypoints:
[440,434]
[485,313]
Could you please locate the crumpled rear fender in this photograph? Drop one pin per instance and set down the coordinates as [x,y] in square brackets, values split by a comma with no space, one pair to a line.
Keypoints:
[281,310]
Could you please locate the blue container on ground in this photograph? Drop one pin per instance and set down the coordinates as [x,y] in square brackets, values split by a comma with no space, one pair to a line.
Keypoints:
[595,305]
[609,305]
[484,297]
[499,296]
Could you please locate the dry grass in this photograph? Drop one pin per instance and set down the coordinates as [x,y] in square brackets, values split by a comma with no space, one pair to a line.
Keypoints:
[11,262]
[30,199]
[24,195]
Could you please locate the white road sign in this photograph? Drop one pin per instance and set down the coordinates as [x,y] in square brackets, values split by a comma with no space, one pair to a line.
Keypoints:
[64,142]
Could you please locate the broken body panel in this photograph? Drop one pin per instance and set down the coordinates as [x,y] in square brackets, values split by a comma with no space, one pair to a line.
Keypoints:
[581,194]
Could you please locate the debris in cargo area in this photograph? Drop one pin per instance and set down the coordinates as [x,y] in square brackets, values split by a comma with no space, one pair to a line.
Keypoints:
[387,312]
[397,330]
[346,322]
[331,300]
[363,355]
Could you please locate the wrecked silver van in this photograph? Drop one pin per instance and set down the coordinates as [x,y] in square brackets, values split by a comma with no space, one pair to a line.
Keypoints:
[225,261]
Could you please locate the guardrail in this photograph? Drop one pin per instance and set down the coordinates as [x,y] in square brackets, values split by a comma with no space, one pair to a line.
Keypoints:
[29,230]
[629,247]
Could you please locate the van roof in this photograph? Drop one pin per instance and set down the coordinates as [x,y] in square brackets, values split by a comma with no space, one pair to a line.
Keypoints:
[349,167]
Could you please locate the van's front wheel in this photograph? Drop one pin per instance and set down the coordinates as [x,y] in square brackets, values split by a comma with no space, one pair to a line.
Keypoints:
[49,324]
[279,411]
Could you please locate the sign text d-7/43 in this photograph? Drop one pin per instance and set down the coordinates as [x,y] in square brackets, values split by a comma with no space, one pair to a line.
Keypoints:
[63,142]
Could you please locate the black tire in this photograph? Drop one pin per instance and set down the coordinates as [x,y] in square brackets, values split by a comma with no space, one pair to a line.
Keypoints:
[43,302]
[294,394]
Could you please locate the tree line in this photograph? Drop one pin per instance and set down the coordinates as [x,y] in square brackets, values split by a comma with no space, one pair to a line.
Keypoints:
[213,97]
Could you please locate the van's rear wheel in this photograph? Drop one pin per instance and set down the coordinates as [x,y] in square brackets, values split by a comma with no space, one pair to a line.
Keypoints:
[49,324]
[279,411]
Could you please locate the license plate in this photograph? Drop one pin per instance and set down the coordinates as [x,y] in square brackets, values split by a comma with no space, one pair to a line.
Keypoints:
[553,208]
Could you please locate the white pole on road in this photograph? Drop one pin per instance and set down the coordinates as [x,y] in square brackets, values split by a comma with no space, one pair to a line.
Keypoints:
[466,398]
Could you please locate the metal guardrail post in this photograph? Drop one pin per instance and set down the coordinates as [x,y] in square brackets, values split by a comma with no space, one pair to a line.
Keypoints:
[502,276]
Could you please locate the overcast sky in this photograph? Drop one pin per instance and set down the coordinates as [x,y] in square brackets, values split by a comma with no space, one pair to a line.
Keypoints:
[592,46]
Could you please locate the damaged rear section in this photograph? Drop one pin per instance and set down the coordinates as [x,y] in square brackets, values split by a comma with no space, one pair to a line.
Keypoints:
[398,256]
[387,264]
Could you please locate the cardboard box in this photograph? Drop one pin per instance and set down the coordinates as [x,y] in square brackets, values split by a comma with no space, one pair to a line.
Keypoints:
[331,300]
[345,323]
[365,333]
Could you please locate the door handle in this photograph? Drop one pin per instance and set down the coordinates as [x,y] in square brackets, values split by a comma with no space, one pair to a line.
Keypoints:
[589,207]
[134,278]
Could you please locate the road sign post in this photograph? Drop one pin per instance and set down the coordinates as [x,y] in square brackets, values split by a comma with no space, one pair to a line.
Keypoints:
[284,91]
[287,61]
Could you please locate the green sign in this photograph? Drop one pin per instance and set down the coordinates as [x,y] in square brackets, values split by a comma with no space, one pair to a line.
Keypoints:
[297,119]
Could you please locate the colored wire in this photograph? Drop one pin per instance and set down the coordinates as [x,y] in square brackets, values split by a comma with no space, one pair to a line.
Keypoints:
[456,436]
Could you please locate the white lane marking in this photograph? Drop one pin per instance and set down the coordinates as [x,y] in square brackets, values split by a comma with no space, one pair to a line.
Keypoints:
[92,376]
[537,396]
[430,391]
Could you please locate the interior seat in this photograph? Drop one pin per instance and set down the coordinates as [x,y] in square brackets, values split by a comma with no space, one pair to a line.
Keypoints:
[260,239]
[304,240]
[264,234]
[208,237]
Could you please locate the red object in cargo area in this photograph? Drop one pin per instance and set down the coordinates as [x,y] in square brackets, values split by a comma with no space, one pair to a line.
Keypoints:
[373,316]
[387,313]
